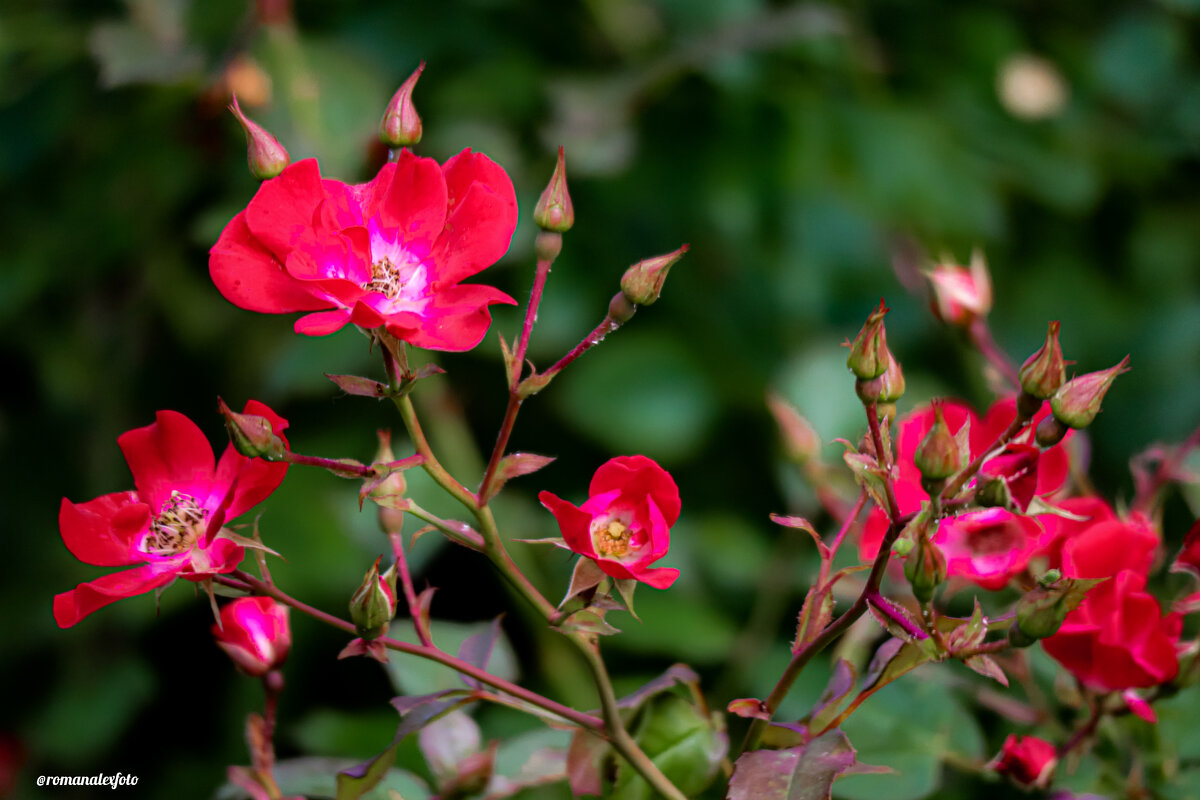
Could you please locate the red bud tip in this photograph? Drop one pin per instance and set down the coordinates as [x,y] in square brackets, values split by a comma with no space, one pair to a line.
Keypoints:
[869,357]
[554,211]
[938,456]
[401,125]
[264,154]
[1077,402]
[252,435]
[642,283]
[1045,371]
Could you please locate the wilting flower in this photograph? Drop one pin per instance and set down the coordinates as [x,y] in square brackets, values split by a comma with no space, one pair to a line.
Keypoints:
[625,523]
[389,253]
[254,631]
[1028,760]
[170,523]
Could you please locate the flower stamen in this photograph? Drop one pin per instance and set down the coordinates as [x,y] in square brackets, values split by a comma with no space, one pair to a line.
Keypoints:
[180,522]
[612,539]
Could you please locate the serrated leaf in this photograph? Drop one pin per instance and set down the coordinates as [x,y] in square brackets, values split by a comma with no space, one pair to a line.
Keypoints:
[869,476]
[886,614]
[586,576]
[800,523]
[815,614]
[987,667]
[588,621]
[359,386]
[676,674]
[584,757]
[806,772]
[685,743]
[512,466]
[477,649]
[840,684]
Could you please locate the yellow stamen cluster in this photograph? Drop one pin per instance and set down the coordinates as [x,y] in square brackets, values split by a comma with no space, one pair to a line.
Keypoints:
[385,278]
[179,523]
[612,540]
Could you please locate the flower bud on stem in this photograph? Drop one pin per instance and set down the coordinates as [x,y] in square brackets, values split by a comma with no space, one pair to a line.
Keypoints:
[401,125]
[554,211]
[643,282]
[1077,402]
[265,156]
[869,357]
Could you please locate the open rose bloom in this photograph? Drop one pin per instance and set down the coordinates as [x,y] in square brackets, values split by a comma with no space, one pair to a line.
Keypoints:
[168,525]
[625,523]
[388,253]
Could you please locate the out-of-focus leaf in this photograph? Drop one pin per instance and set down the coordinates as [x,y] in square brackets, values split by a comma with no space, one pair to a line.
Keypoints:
[806,772]
[682,742]
[418,676]
[841,683]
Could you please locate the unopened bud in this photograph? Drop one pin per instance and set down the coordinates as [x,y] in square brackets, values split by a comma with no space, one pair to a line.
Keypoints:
[800,438]
[254,631]
[885,389]
[643,282]
[925,569]
[554,211]
[264,154]
[391,520]
[374,604]
[252,435]
[1040,613]
[1045,371]
[961,294]
[869,355]
[1077,402]
[938,456]
[401,125]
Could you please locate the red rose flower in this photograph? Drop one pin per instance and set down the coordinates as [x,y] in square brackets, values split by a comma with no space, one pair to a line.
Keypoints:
[1057,530]
[1028,760]
[169,523]
[1024,471]
[388,253]
[625,524]
[1188,559]
[987,547]
[254,631]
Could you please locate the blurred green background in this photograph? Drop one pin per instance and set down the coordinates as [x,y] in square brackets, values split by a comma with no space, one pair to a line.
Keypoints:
[811,154]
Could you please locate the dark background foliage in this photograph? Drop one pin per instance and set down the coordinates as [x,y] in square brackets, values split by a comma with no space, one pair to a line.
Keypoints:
[803,151]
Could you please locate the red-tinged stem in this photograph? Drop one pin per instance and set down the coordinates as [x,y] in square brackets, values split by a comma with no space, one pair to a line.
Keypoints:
[984,649]
[428,652]
[981,336]
[847,524]
[506,429]
[420,624]
[591,340]
[888,609]
[960,480]
[884,459]
[535,299]
[1085,731]
[348,468]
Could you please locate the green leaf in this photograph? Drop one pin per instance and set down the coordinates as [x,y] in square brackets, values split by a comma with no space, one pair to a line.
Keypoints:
[806,772]
[411,675]
[841,683]
[680,740]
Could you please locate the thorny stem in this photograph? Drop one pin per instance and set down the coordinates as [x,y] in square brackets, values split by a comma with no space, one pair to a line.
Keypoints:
[535,299]
[847,524]
[835,629]
[607,326]
[888,609]
[244,579]
[420,624]
[981,336]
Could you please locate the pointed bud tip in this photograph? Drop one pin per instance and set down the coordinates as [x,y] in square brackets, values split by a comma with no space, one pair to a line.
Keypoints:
[1044,372]
[265,156]
[554,210]
[869,357]
[401,124]
[1078,401]
[252,435]
[643,282]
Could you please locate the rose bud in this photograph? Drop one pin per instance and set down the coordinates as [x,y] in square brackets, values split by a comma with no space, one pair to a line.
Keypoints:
[960,294]
[252,435]
[1027,760]
[554,211]
[643,282]
[1045,371]
[1077,403]
[254,631]
[401,125]
[938,456]
[374,603]
[391,520]
[869,357]
[925,569]
[264,154]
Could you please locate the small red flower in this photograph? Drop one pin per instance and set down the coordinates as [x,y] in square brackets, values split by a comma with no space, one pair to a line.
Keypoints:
[388,253]
[169,524]
[1028,760]
[625,525]
[987,547]
[254,631]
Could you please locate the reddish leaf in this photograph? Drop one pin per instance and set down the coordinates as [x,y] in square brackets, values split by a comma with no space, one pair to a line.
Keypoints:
[362,387]
[749,708]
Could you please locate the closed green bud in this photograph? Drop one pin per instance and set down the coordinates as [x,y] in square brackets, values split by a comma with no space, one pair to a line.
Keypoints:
[554,211]
[252,435]
[1077,403]
[643,282]
[925,569]
[374,603]
[938,456]
[1045,371]
[869,357]
[401,124]
[265,156]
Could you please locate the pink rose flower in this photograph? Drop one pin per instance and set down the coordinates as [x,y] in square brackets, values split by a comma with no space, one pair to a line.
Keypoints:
[168,524]
[254,631]
[625,525]
[1028,760]
[987,547]
[388,253]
